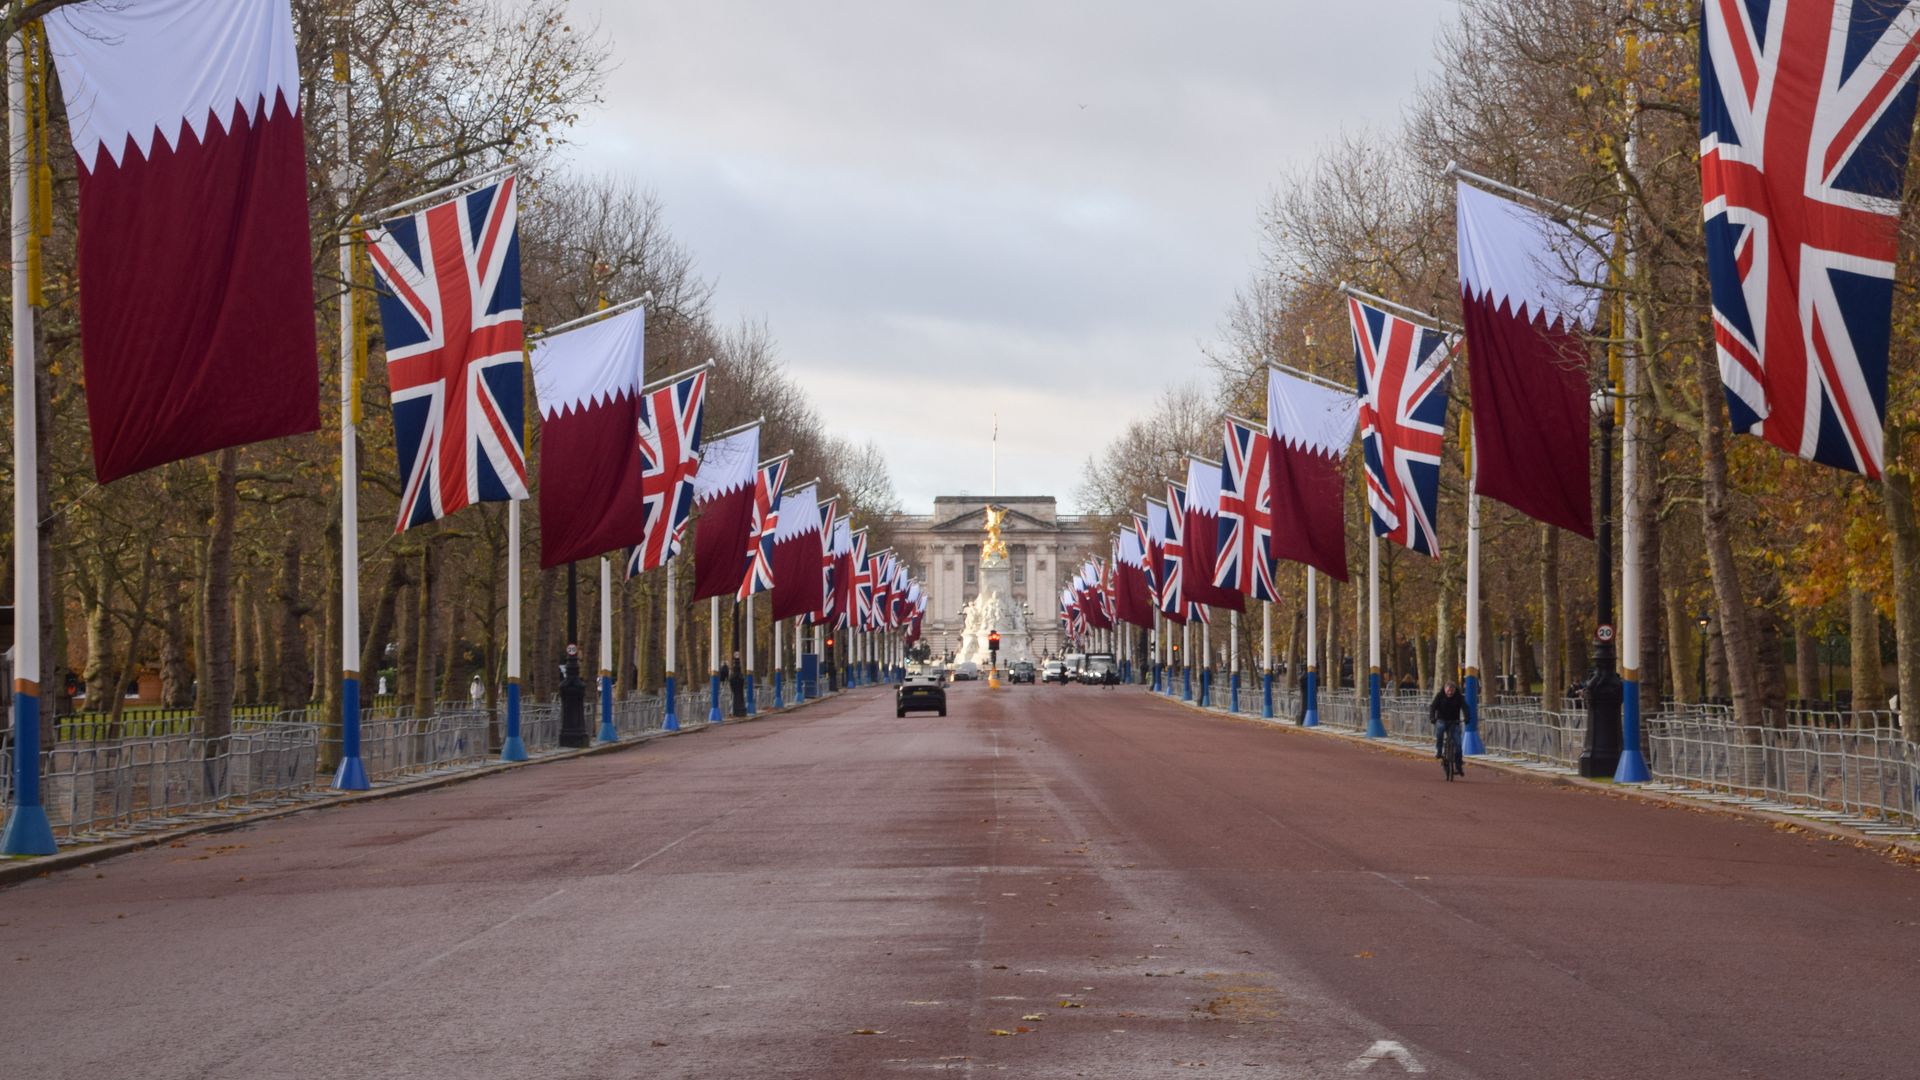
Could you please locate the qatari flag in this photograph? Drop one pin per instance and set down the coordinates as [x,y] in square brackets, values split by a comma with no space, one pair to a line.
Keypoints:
[723,494]
[196,272]
[1310,426]
[799,547]
[1526,363]
[1131,601]
[588,382]
[1201,555]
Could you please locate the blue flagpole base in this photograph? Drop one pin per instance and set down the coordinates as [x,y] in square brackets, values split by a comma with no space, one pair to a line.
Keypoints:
[28,832]
[1266,696]
[608,733]
[1186,684]
[1632,768]
[778,702]
[1233,694]
[1375,729]
[1470,743]
[753,706]
[672,721]
[1311,702]
[513,747]
[351,775]
[713,708]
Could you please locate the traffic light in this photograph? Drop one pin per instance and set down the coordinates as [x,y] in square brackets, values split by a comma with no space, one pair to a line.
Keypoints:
[829,641]
[993,642]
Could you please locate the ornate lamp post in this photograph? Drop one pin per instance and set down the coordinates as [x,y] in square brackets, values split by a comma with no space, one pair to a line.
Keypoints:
[1601,757]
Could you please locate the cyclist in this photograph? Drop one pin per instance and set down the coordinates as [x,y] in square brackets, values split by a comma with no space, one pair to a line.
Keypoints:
[1448,709]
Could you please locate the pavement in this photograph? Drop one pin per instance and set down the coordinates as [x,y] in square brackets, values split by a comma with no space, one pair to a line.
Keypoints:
[1051,882]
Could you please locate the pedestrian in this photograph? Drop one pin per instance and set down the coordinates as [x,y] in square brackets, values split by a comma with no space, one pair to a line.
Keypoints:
[476,693]
[737,682]
[1449,705]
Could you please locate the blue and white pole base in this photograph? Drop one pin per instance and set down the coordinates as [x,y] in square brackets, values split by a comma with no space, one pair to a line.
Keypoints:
[608,733]
[713,707]
[1633,764]
[1233,694]
[352,773]
[1206,686]
[28,831]
[753,706]
[513,747]
[1156,678]
[1312,704]
[672,722]
[778,701]
[1470,743]
[1186,683]
[1375,729]
[1266,695]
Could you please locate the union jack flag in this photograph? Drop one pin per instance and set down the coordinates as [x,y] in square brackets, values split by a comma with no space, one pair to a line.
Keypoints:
[1173,595]
[1805,111]
[1246,514]
[861,584]
[1147,569]
[828,600]
[1403,370]
[449,281]
[670,419]
[770,478]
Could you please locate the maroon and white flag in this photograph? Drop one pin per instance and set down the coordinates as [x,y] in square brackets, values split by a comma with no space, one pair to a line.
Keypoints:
[799,550]
[1201,553]
[723,493]
[196,265]
[592,493]
[1132,599]
[1524,306]
[1309,426]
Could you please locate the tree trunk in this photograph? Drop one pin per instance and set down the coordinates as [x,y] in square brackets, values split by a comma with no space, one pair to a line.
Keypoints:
[1735,623]
[176,678]
[1898,491]
[216,682]
[453,682]
[1719,683]
[257,621]
[1553,649]
[379,632]
[1806,658]
[1654,682]
[427,607]
[295,683]
[1683,648]
[542,662]
[406,637]
[1445,663]
[98,669]
[1869,689]
[1526,667]
[246,664]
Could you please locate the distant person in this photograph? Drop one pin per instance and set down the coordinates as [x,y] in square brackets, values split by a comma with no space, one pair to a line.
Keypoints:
[476,693]
[1449,705]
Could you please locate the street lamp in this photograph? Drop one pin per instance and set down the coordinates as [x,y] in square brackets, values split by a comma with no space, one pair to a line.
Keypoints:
[1601,757]
[1703,621]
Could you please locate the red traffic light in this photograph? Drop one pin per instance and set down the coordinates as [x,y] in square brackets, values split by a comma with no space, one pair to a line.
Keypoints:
[829,643]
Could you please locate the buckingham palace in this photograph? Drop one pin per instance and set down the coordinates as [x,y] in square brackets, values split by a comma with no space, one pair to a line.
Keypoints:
[1044,547]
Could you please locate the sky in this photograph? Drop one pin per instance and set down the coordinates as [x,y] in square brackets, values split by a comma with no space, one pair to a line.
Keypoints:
[945,211]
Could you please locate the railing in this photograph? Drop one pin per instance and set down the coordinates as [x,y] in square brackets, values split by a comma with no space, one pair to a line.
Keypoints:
[406,745]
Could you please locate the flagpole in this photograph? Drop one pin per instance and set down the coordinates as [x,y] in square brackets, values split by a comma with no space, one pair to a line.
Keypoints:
[1470,684]
[746,614]
[513,747]
[713,658]
[672,721]
[351,774]
[1266,660]
[1632,768]
[1233,662]
[778,659]
[1375,729]
[28,832]
[608,733]
[1206,666]
[1310,691]
[1186,657]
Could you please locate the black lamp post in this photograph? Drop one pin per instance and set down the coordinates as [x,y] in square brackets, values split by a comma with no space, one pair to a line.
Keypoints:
[1703,621]
[573,689]
[1603,691]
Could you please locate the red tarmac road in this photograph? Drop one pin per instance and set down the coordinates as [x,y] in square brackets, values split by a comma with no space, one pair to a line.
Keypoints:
[1054,881]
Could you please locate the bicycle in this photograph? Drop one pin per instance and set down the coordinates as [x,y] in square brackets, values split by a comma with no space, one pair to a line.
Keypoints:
[1452,761]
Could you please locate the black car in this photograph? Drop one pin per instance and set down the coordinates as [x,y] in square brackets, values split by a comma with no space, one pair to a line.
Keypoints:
[1101,670]
[920,694]
[1021,671]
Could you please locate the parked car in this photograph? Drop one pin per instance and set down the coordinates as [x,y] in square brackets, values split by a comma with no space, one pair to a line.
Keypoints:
[1020,672]
[919,693]
[1055,671]
[1101,669]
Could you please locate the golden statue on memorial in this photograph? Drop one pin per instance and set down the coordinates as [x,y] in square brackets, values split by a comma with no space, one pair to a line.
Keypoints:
[994,551]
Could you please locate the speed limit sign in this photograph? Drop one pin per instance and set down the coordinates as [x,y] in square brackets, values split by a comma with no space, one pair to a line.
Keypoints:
[1605,632]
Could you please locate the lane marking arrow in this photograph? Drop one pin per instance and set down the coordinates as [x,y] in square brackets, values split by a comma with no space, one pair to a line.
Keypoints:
[1382,1050]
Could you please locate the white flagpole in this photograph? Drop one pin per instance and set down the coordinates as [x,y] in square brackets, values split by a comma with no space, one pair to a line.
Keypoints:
[672,722]
[778,658]
[1470,741]
[746,613]
[1186,658]
[608,733]
[1266,660]
[513,748]
[351,774]
[1374,726]
[1312,702]
[1233,662]
[713,657]
[1206,663]
[28,832]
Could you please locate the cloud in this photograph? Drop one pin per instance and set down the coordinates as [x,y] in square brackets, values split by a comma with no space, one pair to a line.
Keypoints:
[946,208]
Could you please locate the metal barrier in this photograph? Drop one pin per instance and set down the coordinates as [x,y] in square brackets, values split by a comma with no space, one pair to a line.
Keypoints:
[1866,774]
[406,745]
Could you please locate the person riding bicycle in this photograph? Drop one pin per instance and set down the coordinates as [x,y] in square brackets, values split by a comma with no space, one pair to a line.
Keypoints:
[1448,709]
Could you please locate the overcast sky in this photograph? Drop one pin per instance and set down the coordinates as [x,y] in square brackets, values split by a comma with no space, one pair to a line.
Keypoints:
[943,209]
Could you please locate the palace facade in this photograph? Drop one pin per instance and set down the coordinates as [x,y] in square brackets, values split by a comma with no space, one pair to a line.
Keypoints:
[1044,548]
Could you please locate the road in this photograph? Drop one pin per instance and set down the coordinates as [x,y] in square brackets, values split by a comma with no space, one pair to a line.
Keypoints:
[1051,882]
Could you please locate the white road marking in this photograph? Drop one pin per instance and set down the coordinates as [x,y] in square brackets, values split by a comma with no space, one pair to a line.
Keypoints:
[1384,1049]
